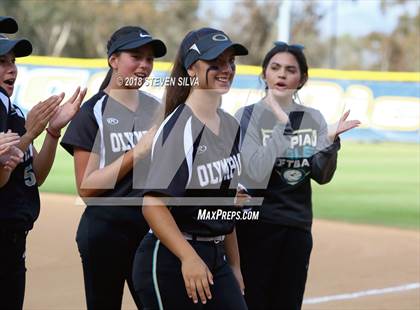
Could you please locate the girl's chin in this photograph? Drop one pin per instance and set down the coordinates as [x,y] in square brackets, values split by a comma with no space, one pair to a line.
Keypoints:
[9,89]
[223,90]
[281,93]
[217,91]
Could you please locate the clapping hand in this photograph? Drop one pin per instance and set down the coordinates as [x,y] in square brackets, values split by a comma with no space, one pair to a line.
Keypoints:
[67,111]
[7,140]
[11,159]
[10,155]
[39,116]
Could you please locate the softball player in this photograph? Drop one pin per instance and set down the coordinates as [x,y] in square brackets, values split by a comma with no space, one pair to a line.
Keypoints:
[195,155]
[22,168]
[112,133]
[285,146]
[8,139]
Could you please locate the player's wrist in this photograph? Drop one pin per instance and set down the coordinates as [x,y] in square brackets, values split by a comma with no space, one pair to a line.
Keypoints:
[28,137]
[55,133]
[138,153]
[29,134]
[188,255]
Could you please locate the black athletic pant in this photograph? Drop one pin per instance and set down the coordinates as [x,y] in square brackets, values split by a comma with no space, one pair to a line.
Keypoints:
[274,263]
[107,249]
[159,283]
[12,269]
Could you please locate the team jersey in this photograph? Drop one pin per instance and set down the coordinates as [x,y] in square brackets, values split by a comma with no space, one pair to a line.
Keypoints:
[109,129]
[190,163]
[281,159]
[19,196]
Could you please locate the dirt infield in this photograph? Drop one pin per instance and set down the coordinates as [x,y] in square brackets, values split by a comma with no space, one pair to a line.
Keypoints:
[346,259]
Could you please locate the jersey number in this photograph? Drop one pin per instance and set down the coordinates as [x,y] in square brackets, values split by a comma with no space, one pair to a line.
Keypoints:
[29,176]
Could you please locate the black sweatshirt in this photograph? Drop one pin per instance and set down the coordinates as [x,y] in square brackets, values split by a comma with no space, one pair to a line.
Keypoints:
[279,160]
[19,197]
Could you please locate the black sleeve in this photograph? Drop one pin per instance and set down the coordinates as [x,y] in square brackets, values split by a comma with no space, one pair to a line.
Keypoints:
[169,171]
[3,117]
[82,132]
[324,161]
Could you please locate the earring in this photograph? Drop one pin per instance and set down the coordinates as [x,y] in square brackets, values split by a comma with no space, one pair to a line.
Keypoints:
[297,98]
[119,79]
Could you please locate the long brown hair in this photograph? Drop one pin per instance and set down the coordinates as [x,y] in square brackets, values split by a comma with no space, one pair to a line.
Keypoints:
[176,94]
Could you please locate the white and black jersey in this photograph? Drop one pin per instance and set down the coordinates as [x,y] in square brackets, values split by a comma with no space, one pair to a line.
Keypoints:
[191,163]
[280,160]
[109,129]
[19,196]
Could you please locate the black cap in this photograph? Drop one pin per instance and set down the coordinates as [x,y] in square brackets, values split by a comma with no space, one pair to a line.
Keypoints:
[20,47]
[208,45]
[135,38]
[8,24]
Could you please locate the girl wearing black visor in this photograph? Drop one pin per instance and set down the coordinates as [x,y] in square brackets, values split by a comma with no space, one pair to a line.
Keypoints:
[189,261]
[110,140]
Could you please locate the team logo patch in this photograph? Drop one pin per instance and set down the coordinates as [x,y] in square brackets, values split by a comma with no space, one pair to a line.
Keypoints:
[195,48]
[112,121]
[219,37]
[293,176]
[201,149]
[144,35]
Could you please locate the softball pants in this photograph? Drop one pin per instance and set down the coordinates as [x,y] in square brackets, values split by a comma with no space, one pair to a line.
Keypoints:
[274,264]
[12,269]
[107,250]
[159,283]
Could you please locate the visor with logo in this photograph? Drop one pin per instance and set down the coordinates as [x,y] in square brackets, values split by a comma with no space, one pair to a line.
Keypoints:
[137,39]
[20,47]
[8,24]
[210,46]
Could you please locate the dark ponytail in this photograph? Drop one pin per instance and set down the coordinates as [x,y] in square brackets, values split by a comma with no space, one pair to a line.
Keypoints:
[106,80]
[176,94]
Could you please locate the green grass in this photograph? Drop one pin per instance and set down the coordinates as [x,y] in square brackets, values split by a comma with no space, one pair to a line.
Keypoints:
[61,178]
[374,184]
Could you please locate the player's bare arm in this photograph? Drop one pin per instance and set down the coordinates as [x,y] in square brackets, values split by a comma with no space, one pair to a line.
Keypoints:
[91,181]
[57,119]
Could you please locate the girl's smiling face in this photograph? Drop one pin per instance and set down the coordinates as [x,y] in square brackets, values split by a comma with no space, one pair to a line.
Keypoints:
[136,63]
[216,74]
